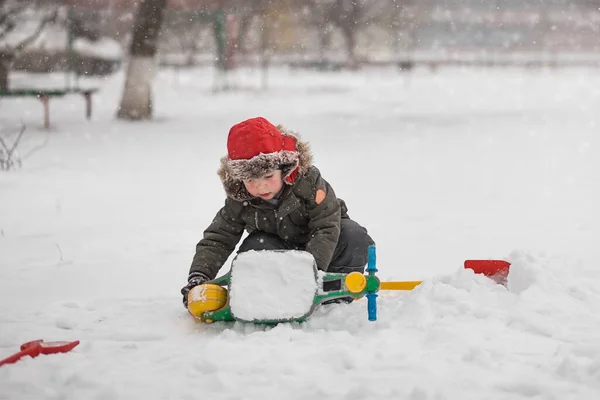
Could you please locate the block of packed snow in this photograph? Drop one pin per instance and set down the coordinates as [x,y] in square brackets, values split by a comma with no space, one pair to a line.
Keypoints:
[272,285]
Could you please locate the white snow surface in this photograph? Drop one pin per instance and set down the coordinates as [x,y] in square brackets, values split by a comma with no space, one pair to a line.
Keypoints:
[106,48]
[272,285]
[98,228]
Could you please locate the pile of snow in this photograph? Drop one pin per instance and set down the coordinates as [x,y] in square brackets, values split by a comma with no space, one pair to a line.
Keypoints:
[272,285]
[103,48]
[456,336]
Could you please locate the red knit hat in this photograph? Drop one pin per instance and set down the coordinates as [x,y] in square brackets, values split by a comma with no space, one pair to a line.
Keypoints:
[255,147]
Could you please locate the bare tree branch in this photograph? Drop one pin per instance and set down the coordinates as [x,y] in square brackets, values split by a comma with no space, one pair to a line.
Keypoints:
[8,12]
[7,24]
[18,139]
[37,32]
[14,10]
[7,162]
[10,151]
[3,143]
[4,32]
[38,147]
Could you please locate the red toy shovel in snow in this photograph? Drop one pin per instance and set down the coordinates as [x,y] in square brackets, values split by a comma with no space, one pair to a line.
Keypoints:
[493,269]
[37,347]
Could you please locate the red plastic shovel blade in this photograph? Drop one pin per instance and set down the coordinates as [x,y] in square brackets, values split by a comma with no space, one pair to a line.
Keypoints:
[34,344]
[57,347]
[37,347]
[489,268]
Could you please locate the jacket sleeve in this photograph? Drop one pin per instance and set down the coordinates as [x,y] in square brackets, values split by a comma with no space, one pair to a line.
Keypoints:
[219,241]
[324,215]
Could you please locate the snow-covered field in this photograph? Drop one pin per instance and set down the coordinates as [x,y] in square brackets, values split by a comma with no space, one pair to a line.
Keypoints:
[98,229]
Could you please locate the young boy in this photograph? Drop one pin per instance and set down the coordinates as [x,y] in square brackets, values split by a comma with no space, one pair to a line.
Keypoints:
[277,195]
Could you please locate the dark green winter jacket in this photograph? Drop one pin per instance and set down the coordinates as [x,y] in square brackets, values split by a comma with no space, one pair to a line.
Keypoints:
[297,218]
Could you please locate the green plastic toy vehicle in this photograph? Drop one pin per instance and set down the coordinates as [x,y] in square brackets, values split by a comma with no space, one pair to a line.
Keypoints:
[273,286]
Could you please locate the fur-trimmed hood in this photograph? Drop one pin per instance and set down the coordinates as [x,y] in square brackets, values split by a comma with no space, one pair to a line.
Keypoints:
[292,163]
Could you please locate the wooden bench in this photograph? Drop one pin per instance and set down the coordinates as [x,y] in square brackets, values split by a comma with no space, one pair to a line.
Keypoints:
[46,94]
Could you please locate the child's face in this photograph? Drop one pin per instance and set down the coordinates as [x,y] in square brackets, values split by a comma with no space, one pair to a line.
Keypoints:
[265,187]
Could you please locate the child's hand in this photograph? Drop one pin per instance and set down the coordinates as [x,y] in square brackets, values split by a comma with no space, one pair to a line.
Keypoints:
[195,280]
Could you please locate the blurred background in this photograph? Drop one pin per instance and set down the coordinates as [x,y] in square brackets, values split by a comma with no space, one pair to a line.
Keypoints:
[453,129]
[94,37]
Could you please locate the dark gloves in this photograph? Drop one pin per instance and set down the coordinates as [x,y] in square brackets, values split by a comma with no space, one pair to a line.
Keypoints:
[194,280]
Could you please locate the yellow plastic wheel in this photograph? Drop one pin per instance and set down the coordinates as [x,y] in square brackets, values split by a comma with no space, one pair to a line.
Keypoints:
[355,282]
[207,297]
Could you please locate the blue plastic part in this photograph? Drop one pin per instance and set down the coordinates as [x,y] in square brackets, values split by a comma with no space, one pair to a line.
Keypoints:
[372,297]
[372,306]
[372,266]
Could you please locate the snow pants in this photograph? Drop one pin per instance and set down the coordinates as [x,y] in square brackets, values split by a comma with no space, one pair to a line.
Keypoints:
[350,255]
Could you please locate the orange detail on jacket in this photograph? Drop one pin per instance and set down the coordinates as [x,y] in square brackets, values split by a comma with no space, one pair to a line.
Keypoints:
[320,196]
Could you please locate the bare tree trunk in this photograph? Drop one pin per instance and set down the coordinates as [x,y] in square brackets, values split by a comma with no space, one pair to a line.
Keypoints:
[9,15]
[348,16]
[136,103]
[324,32]
[245,23]
[5,63]
[350,36]
[265,41]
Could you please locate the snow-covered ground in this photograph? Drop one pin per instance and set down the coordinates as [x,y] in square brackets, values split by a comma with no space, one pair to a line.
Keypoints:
[98,229]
